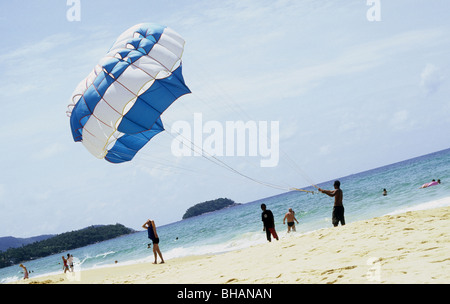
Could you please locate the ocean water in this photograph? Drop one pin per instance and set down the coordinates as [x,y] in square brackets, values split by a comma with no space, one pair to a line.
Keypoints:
[241,226]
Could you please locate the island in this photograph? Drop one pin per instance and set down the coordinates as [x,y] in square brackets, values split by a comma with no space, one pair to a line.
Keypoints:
[62,242]
[209,206]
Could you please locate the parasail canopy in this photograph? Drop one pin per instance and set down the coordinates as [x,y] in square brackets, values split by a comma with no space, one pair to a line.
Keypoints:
[116,109]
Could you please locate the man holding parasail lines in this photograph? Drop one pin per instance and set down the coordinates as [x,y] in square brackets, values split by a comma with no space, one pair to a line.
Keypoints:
[338,208]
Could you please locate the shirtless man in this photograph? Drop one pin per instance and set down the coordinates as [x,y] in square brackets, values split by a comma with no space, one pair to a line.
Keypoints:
[338,208]
[290,217]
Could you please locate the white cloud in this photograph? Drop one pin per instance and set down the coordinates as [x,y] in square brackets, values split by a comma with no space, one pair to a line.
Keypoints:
[401,120]
[49,151]
[296,80]
[2,191]
[431,79]
[325,150]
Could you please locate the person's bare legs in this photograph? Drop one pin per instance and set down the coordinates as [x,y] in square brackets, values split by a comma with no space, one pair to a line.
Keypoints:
[157,252]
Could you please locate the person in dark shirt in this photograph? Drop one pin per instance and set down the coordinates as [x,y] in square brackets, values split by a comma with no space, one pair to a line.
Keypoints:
[268,223]
[153,235]
[338,208]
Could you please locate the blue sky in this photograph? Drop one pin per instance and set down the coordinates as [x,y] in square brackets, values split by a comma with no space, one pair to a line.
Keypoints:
[349,95]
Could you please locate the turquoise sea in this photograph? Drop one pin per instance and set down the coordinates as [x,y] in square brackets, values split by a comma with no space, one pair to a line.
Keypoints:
[240,226]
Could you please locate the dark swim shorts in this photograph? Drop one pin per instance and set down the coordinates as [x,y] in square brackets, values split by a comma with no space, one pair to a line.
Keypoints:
[155,241]
[338,215]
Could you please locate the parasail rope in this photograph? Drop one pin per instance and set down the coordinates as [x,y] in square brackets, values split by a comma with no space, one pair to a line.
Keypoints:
[229,102]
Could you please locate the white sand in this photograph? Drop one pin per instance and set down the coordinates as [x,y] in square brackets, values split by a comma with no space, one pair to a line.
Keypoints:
[412,247]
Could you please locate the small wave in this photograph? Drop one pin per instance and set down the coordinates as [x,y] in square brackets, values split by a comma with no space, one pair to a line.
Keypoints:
[89,258]
[104,255]
[443,202]
[239,242]
[10,279]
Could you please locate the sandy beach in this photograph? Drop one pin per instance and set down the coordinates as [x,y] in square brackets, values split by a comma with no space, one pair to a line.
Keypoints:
[413,247]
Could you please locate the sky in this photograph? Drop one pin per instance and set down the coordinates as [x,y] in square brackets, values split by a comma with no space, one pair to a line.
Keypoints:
[351,85]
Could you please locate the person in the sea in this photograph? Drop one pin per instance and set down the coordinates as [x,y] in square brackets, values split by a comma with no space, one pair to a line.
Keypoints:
[70,261]
[290,217]
[432,183]
[338,208]
[384,192]
[65,266]
[25,272]
[153,235]
[268,223]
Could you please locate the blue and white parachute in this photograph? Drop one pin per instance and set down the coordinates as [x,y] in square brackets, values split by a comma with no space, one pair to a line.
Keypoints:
[116,109]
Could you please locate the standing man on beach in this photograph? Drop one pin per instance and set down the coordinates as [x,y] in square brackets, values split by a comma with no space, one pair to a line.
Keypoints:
[268,222]
[153,235]
[290,217]
[338,208]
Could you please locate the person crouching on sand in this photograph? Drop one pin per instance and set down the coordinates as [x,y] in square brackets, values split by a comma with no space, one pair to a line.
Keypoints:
[153,235]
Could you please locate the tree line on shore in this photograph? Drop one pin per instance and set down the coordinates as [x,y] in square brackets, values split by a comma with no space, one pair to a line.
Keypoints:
[62,242]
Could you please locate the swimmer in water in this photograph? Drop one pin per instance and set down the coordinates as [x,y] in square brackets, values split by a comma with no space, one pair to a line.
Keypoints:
[290,217]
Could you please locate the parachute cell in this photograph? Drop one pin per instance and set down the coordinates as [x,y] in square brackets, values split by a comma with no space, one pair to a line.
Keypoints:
[116,109]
